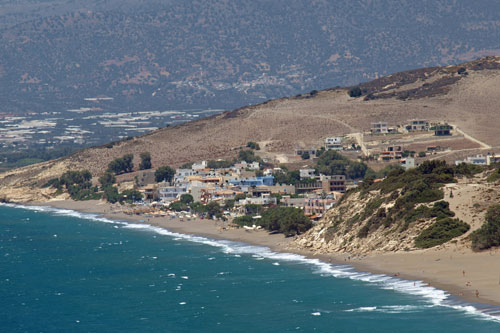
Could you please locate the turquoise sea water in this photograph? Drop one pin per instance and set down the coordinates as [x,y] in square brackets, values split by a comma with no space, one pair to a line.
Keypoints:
[73,272]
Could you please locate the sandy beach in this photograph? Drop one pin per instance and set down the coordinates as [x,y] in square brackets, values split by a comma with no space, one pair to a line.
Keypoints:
[458,270]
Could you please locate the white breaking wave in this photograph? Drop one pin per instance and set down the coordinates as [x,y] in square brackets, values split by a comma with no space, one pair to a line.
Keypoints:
[391,308]
[436,297]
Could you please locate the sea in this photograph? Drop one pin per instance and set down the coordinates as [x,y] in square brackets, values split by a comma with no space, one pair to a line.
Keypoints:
[65,271]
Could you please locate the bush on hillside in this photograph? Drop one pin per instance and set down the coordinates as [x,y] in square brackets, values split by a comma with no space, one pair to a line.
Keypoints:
[122,164]
[248,156]
[107,179]
[222,164]
[333,163]
[489,234]
[145,161]
[495,176]
[78,185]
[441,232]
[253,145]
[355,92]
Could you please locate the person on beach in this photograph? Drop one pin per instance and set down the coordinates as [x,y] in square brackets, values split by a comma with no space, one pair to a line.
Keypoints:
[477,293]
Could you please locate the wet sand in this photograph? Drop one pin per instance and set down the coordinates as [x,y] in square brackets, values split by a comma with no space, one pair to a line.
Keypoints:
[442,268]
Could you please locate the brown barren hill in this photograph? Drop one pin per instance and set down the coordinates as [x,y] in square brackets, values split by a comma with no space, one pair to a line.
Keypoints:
[466,95]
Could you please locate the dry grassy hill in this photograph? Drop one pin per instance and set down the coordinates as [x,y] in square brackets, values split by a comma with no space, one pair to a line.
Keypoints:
[469,100]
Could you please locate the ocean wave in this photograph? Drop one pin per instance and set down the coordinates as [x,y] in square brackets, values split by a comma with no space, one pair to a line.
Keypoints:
[391,308]
[435,296]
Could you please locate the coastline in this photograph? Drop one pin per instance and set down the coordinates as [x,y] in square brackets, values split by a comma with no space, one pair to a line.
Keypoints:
[439,268]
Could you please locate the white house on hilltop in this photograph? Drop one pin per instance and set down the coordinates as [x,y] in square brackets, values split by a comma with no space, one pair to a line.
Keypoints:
[334,143]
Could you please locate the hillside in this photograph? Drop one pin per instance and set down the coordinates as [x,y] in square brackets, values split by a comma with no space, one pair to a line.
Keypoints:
[417,209]
[158,55]
[470,101]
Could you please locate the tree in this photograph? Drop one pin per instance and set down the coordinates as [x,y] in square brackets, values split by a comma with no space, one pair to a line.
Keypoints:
[130,196]
[122,164]
[213,209]
[128,165]
[253,145]
[164,173]
[186,198]
[107,179]
[77,183]
[240,196]
[220,164]
[305,155]
[248,156]
[178,206]
[229,204]
[287,220]
[145,161]
[333,163]
[111,194]
[355,92]
[187,165]
[198,207]
[421,154]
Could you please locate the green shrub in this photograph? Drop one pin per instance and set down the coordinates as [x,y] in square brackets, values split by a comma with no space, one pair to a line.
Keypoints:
[332,163]
[248,156]
[111,194]
[164,173]
[220,164]
[440,232]
[355,92]
[489,234]
[244,220]
[253,145]
[107,179]
[287,220]
[178,206]
[121,165]
[467,169]
[495,176]
[130,196]
[186,198]
[145,161]
[77,183]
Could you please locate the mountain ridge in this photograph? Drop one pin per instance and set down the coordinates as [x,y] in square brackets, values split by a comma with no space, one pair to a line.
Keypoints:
[185,54]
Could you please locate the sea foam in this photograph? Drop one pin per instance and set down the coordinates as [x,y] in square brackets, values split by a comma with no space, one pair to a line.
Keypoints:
[434,296]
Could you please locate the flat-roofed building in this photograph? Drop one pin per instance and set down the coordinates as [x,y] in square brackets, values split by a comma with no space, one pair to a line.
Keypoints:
[476,160]
[334,143]
[379,128]
[336,183]
[442,130]
[417,125]
[307,173]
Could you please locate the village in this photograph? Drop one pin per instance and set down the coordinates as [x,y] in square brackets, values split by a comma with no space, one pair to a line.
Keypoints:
[239,189]
[245,186]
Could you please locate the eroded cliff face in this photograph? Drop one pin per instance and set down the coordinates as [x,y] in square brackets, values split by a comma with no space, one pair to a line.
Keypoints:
[26,184]
[357,225]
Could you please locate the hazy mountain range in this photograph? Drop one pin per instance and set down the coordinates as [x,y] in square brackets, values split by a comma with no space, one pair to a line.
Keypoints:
[223,54]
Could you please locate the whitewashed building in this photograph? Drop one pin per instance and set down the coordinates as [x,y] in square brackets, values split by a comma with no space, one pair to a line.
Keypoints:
[334,143]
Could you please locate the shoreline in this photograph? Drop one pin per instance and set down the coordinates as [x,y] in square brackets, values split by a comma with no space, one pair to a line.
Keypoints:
[428,266]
